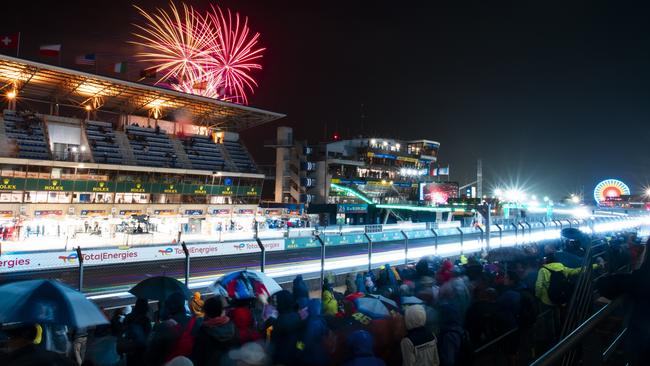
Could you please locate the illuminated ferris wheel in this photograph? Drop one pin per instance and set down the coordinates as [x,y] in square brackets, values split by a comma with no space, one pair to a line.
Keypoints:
[610,188]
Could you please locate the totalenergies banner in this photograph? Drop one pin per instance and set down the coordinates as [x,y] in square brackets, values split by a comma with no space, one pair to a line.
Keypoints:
[29,261]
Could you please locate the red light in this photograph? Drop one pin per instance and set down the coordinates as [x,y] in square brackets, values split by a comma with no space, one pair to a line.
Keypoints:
[336,136]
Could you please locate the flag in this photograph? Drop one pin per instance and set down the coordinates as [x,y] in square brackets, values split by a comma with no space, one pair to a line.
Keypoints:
[119,67]
[51,50]
[9,40]
[148,73]
[87,59]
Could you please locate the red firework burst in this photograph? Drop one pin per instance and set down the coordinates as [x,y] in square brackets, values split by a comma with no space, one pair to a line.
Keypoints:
[210,55]
[236,53]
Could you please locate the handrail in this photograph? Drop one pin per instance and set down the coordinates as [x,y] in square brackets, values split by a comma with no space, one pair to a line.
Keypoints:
[567,343]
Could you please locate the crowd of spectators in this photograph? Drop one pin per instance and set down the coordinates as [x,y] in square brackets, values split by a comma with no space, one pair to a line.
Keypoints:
[438,312]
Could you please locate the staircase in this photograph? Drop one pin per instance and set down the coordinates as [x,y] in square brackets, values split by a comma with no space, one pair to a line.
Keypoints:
[4,141]
[125,148]
[180,152]
[230,165]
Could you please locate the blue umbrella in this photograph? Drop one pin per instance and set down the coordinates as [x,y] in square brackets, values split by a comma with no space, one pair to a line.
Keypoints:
[159,288]
[47,302]
[372,307]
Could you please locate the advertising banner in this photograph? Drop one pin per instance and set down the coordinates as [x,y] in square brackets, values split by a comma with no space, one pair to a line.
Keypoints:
[28,261]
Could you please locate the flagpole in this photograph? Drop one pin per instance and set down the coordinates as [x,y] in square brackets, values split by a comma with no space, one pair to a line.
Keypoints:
[18,47]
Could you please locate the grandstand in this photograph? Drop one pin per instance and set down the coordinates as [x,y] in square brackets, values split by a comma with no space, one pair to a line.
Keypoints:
[100,150]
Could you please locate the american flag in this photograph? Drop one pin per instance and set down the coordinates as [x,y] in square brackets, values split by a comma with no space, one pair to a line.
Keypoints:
[88,59]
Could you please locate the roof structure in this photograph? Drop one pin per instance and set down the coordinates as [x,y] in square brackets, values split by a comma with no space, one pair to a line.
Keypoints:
[53,84]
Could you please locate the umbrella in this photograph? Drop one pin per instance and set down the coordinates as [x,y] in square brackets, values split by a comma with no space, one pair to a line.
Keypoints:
[47,302]
[371,307]
[245,285]
[159,288]
[385,300]
[411,300]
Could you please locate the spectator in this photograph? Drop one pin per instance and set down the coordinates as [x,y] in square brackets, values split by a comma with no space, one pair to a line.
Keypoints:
[300,290]
[453,347]
[216,335]
[196,305]
[22,350]
[360,283]
[636,286]
[102,348]
[419,347]
[330,305]
[174,336]
[242,318]
[314,350]
[561,295]
[286,328]
[350,285]
[483,321]
[137,328]
[360,344]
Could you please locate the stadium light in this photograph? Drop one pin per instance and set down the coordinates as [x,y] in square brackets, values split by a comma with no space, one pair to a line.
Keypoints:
[575,198]
[11,94]
[545,198]
[373,142]
[647,192]
[88,107]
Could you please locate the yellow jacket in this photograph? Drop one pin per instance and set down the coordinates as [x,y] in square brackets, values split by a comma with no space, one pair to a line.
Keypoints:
[330,305]
[544,279]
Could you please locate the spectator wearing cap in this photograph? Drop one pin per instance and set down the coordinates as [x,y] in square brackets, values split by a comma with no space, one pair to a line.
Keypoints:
[419,347]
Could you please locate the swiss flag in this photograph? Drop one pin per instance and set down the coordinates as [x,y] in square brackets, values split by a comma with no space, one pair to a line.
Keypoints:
[9,41]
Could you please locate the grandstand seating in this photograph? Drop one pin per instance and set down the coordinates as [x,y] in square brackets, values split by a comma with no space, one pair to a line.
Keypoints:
[28,135]
[103,145]
[239,156]
[151,148]
[204,154]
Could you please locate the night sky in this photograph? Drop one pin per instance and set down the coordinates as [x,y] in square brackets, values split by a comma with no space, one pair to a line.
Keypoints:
[553,95]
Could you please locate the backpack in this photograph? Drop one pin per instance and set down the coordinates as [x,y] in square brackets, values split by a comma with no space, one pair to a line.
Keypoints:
[527,316]
[559,288]
[185,342]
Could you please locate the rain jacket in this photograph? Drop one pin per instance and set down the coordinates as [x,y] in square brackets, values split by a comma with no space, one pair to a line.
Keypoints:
[544,279]
[330,305]
[419,347]
[286,329]
[360,344]
[216,336]
[300,290]
[242,319]
[313,350]
[360,283]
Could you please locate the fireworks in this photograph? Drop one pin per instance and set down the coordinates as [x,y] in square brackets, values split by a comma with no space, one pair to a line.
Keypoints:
[209,54]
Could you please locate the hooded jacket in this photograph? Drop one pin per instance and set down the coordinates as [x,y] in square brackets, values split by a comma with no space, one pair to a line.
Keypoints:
[360,346]
[330,305]
[216,336]
[419,347]
[286,329]
[544,279]
[242,319]
[300,290]
[314,352]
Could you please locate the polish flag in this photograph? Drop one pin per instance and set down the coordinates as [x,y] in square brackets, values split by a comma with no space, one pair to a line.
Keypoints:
[51,50]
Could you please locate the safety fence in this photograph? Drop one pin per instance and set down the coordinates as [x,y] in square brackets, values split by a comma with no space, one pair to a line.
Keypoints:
[335,249]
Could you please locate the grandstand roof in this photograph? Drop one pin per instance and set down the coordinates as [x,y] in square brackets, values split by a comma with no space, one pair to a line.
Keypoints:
[52,84]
